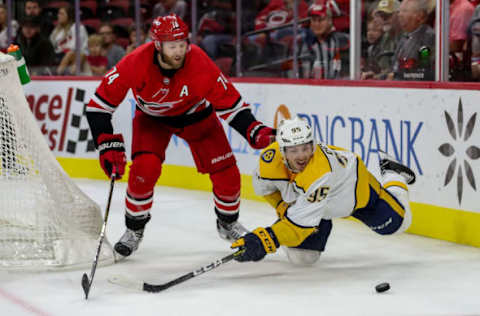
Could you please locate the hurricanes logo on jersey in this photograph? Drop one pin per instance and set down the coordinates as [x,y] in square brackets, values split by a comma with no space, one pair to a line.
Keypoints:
[162,93]
[156,107]
[268,155]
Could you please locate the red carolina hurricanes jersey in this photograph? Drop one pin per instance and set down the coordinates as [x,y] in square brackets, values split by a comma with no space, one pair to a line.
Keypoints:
[194,87]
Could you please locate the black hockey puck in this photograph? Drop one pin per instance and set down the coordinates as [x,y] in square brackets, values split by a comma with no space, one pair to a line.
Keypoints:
[382,287]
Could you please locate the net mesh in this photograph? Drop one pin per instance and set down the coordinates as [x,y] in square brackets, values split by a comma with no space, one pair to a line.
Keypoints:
[46,221]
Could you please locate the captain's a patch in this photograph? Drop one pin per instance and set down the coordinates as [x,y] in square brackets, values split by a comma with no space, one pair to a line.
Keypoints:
[268,155]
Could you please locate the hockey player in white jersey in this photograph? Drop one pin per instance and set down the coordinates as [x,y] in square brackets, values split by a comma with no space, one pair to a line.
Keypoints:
[310,183]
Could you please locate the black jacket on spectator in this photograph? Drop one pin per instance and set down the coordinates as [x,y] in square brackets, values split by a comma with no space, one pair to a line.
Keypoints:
[38,51]
[46,25]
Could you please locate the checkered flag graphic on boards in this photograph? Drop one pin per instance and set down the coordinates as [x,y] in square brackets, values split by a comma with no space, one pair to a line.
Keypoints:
[83,143]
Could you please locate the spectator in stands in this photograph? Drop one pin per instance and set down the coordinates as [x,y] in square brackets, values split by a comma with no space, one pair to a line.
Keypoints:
[67,66]
[380,61]
[63,35]
[3,28]
[386,14]
[33,8]
[474,30]
[166,7]
[376,59]
[324,51]
[279,12]
[133,39]
[414,57]
[36,48]
[114,52]
[340,13]
[461,12]
[96,58]
[276,13]
[370,6]
[95,63]
[216,27]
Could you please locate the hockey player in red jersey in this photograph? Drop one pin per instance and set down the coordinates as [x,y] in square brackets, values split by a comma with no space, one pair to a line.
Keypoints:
[179,91]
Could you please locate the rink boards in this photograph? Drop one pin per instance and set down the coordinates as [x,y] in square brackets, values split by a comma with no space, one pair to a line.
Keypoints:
[430,127]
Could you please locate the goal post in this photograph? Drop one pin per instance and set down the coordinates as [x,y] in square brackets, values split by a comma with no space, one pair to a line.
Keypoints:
[46,221]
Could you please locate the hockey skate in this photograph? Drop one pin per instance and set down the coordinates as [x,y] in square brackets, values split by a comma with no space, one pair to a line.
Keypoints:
[388,163]
[230,231]
[129,242]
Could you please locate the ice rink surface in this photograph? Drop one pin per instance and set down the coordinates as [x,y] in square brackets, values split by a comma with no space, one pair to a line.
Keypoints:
[427,276]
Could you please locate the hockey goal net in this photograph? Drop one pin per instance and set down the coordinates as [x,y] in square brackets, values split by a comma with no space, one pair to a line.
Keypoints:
[46,221]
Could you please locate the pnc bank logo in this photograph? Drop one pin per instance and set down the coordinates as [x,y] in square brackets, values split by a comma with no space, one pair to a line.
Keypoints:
[460,150]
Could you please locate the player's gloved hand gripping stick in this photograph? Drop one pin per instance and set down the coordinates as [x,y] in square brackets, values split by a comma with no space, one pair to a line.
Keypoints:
[256,245]
[252,247]
[86,281]
[111,148]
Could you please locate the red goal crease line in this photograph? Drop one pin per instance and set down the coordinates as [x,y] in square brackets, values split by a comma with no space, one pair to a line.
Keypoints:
[23,304]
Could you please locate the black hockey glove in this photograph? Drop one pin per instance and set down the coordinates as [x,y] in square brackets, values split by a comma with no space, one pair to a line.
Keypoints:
[256,244]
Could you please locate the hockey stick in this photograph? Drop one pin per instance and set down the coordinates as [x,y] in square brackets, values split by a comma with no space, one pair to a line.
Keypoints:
[155,288]
[86,281]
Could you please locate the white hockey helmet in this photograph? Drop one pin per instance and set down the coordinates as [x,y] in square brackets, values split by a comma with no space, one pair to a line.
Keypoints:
[292,132]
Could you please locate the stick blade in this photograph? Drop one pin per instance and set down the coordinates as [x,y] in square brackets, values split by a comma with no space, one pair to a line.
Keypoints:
[152,288]
[85,285]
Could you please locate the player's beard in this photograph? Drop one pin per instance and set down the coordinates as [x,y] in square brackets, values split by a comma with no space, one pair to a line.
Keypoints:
[172,61]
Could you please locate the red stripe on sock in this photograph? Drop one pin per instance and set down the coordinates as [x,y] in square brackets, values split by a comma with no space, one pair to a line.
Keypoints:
[225,208]
[138,208]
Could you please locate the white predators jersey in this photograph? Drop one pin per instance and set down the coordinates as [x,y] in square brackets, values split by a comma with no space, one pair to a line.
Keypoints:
[333,184]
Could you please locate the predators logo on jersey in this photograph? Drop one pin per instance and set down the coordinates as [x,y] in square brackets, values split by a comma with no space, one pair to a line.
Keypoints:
[268,155]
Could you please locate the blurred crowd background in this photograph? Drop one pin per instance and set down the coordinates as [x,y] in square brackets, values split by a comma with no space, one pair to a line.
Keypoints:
[397,37]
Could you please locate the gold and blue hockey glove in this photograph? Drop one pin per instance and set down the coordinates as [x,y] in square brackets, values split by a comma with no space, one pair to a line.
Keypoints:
[256,244]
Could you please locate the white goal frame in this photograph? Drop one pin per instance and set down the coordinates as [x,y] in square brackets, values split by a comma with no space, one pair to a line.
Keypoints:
[46,221]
